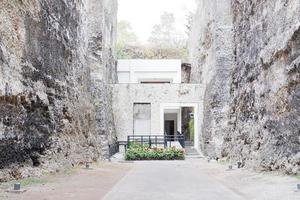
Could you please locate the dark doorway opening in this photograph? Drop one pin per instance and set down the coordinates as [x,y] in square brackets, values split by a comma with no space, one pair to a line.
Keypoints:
[187,124]
[169,127]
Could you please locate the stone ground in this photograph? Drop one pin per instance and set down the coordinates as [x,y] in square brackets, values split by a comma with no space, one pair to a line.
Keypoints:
[81,184]
[197,179]
[193,178]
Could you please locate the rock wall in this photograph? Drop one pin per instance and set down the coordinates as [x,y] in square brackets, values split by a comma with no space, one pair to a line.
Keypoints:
[211,56]
[56,61]
[261,105]
[185,73]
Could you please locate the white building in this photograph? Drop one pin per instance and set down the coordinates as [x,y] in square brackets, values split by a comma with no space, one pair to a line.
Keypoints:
[151,96]
[149,71]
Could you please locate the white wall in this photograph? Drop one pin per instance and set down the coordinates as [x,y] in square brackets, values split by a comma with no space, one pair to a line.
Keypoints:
[161,96]
[142,119]
[142,126]
[135,71]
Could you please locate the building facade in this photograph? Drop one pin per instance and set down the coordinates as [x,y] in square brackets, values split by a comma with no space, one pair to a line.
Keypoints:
[150,99]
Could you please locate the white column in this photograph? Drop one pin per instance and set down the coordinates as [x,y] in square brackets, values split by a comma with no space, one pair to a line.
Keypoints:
[179,120]
[196,128]
[162,124]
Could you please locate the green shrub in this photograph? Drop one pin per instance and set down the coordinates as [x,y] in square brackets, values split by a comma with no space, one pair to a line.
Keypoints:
[191,129]
[139,152]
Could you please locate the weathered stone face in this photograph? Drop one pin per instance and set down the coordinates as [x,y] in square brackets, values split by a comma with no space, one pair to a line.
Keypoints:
[49,115]
[265,85]
[251,102]
[212,61]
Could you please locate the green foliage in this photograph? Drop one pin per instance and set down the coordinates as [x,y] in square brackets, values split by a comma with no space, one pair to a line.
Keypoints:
[191,128]
[165,42]
[147,52]
[98,104]
[125,36]
[139,152]
[165,33]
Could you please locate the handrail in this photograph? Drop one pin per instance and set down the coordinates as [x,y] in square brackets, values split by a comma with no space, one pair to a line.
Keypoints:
[156,139]
[113,149]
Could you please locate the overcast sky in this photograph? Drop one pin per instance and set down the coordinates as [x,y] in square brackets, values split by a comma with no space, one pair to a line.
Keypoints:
[143,14]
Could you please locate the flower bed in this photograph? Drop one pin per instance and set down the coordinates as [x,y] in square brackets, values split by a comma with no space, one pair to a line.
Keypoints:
[138,152]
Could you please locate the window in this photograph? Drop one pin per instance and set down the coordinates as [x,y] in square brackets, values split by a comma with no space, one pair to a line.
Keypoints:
[141,118]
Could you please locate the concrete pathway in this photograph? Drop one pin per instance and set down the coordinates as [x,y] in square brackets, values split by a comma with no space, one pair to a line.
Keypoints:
[195,179]
[192,179]
[81,184]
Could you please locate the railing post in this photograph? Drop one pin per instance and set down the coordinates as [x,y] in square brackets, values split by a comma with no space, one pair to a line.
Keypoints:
[128,141]
[109,150]
[118,146]
[149,141]
[142,141]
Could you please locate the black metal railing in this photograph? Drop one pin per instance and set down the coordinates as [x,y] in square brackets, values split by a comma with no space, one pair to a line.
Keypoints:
[113,149]
[150,140]
[155,140]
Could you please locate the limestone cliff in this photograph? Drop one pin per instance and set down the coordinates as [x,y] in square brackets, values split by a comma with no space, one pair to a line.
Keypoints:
[212,60]
[255,119]
[56,60]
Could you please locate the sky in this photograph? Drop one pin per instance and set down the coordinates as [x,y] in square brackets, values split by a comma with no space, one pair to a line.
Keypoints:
[144,14]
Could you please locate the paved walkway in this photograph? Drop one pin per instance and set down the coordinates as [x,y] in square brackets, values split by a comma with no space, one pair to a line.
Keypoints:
[195,179]
[81,184]
[192,179]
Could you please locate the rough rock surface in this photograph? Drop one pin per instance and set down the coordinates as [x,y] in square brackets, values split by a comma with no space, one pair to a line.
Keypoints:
[56,60]
[258,112]
[211,57]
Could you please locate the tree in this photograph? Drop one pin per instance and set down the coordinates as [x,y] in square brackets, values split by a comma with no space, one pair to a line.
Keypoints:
[125,37]
[166,40]
[165,34]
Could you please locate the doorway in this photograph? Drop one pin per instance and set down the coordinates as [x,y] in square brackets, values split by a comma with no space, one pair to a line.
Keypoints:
[171,121]
[169,127]
[186,115]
